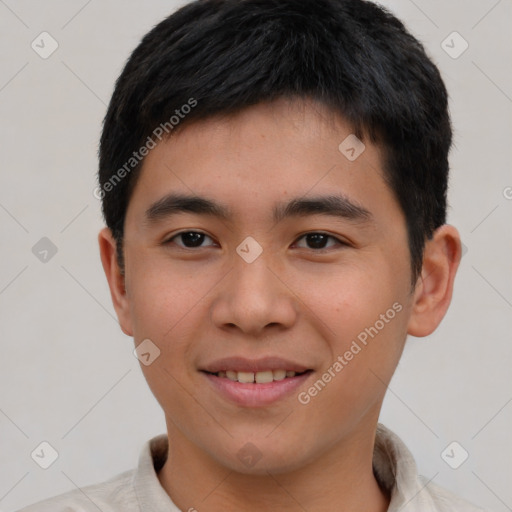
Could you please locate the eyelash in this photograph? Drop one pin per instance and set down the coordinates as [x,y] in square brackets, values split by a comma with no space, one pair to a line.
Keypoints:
[339,242]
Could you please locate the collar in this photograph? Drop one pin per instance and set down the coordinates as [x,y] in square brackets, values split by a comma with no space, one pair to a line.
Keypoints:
[393,465]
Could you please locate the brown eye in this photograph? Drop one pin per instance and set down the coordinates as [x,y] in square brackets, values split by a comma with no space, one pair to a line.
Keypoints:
[189,239]
[319,241]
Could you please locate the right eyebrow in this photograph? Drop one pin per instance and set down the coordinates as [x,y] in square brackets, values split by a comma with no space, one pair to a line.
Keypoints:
[338,206]
[180,203]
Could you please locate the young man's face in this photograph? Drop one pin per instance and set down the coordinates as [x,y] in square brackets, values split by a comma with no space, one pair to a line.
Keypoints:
[209,304]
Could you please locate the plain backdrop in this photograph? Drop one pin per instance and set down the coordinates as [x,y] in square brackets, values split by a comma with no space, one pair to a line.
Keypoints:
[67,373]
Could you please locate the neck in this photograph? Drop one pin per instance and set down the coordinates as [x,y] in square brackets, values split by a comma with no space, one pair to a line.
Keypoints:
[341,480]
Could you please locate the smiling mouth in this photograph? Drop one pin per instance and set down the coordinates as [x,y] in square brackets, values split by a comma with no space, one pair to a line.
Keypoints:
[263,377]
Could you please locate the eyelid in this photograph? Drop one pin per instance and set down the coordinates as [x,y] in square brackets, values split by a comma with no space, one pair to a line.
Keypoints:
[170,239]
[338,240]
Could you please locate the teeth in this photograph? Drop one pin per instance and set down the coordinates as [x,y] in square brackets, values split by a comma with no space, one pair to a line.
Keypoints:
[231,375]
[258,377]
[279,374]
[264,377]
[246,377]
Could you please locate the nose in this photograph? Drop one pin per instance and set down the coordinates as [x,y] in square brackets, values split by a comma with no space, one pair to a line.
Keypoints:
[254,299]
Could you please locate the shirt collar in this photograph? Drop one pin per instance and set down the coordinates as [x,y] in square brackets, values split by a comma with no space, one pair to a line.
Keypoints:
[393,465]
[395,469]
[151,496]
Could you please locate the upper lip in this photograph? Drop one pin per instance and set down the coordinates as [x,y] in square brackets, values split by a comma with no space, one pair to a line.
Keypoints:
[242,364]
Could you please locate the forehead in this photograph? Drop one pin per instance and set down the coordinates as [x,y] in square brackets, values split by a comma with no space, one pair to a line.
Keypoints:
[253,161]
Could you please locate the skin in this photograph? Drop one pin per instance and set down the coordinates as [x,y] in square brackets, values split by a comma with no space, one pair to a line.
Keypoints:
[294,301]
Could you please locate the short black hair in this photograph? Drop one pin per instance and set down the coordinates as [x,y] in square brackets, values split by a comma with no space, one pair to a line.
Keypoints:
[217,57]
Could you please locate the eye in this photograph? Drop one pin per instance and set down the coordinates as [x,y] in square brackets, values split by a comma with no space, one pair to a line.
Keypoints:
[189,239]
[319,241]
[195,239]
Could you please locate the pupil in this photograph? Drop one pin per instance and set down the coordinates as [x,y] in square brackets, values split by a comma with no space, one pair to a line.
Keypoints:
[317,240]
[192,239]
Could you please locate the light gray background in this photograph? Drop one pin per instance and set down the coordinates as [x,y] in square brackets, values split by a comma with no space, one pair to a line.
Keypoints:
[67,372]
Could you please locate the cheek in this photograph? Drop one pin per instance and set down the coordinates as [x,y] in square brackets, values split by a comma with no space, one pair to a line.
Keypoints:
[166,307]
[348,298]
[163,298]
[361,318]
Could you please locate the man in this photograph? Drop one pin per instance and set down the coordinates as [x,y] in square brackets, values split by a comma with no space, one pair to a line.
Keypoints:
[274,176]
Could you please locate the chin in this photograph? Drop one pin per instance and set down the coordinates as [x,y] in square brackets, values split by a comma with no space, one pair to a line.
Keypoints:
[259,457]
[267,464]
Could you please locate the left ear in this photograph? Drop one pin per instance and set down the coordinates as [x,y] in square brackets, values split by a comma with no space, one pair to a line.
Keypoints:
[434,287]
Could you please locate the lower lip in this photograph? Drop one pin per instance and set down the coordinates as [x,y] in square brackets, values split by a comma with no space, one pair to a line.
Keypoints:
[256,395]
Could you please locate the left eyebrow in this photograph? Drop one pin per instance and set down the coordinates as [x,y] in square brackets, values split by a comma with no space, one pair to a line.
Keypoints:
[332,205]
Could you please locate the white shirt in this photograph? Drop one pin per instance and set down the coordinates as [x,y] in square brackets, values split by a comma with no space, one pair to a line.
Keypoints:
[139,490]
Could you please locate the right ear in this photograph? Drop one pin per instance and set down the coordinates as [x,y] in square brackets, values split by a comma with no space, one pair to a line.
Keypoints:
[116,280]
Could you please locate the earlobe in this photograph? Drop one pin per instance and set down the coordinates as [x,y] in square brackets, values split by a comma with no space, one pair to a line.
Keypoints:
[434,288]
[116,281]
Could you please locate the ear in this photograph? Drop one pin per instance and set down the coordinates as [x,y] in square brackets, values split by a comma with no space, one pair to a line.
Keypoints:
[434,288]
[116,280]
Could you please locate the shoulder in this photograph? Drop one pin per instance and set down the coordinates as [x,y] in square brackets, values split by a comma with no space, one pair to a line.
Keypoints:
[445,501]
[115,494]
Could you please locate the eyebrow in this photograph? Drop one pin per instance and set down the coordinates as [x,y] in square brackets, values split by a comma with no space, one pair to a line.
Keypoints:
[331,205]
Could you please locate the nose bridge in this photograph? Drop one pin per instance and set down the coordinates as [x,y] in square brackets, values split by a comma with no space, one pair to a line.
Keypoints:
[252,296]
[254,278]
